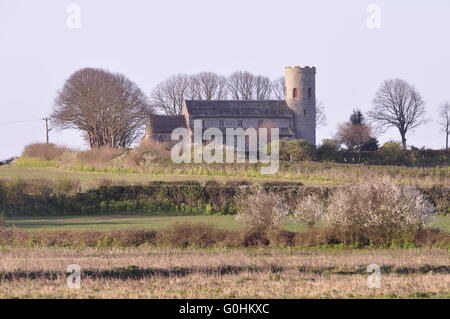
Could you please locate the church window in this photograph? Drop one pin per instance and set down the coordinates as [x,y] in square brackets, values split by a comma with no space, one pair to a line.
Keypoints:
[221,124]
[295,94]
[240,123]
[309,92]
[260,123]
[304,112]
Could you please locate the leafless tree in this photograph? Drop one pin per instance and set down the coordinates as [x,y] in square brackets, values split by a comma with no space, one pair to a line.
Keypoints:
[207,86]
[321,118]
[444,120]
[168,96]
[263,87]
[241,85]
[109,108]
[279,88]
[398,104]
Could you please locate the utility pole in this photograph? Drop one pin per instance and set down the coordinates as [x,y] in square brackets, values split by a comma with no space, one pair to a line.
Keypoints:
[47,130]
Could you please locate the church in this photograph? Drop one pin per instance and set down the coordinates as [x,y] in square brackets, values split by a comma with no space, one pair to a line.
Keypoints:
[295,116]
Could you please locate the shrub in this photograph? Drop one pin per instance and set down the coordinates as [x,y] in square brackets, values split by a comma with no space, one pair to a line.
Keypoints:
[393,151]
[2,192]
[371,145]
[379,212]
[39,187]
[301,150]
[67,186]
[148,150]
[186,235]
[261,210]
[296,150]
[15,190]
[45,151]
[328,150]
[100,157]
[34,162]
[309,210]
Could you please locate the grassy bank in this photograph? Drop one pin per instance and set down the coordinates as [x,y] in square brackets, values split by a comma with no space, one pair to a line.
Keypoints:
[309,173]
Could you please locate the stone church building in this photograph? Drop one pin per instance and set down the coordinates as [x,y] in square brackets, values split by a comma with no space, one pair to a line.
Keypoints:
[295,116]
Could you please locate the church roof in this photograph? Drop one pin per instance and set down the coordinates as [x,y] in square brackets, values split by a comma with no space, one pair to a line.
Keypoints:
[166,123]
[229,108]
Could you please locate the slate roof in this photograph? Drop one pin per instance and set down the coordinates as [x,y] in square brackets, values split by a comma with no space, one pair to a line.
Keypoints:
[246,109]
[166,123]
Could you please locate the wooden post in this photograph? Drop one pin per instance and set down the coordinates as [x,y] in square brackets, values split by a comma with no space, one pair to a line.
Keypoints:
[46,129]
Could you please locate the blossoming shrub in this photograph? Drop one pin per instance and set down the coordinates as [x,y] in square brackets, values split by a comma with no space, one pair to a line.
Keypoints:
[261,210]
[309,210]
[379,212]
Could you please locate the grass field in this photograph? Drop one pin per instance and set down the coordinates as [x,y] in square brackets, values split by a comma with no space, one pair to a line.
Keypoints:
[309,173]
[247,273]
[122,222]
[252,272]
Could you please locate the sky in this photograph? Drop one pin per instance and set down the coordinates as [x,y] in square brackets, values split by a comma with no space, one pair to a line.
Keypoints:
[353,46]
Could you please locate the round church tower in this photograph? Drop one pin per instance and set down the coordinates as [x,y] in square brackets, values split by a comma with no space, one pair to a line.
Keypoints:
[301,99]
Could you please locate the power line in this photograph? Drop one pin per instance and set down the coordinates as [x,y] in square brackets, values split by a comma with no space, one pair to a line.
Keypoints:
[18,122]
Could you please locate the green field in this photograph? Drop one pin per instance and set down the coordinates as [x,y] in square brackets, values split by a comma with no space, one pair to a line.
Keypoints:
[309,173]
[121,222]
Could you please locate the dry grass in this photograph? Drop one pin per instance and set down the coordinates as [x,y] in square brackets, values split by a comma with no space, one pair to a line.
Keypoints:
[45,151]
[98,158]
[252,273]
[148,151]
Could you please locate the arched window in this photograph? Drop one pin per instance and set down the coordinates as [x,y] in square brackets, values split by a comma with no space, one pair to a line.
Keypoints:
[295,94]
[309,92]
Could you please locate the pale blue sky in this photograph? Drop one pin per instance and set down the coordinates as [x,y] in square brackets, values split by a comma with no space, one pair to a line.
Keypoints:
[150,40]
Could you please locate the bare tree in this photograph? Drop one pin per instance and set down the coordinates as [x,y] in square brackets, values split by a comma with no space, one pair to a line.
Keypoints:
[398,104]
[279,88]
[207,86]
[109,108]
[444,120]
[263,87]
[241,85]
[168,96]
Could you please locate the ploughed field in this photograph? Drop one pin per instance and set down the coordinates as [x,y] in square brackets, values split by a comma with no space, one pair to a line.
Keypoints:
[149,272]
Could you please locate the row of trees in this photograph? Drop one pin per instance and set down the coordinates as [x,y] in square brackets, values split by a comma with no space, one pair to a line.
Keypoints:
[169,95]
[112,110]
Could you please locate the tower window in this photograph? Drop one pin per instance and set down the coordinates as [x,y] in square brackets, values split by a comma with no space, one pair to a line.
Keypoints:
[295,94]
[309,92]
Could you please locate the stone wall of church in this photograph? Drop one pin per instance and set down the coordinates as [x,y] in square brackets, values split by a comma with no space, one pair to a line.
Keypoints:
[244,122]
